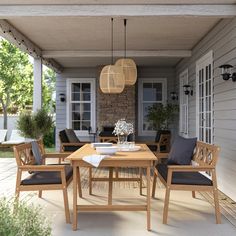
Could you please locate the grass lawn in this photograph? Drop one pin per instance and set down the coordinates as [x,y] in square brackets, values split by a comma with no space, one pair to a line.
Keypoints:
[9,152]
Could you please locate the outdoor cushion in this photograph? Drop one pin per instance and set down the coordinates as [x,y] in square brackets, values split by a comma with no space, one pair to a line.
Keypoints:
[36,152]
[182,151]
[63,136]
[71,148]
[71,136]
[153,148]
[47,177]
[185,178]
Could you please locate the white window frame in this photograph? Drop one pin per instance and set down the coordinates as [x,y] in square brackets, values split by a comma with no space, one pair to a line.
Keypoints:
[92,81]
[201,63]
[183,132]
[140,102]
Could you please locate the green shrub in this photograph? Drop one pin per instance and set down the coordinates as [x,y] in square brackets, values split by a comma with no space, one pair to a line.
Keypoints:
[35,125]
[20,219]
[49,139]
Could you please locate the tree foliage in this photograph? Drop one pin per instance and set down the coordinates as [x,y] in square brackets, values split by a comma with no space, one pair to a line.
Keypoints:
[16,81]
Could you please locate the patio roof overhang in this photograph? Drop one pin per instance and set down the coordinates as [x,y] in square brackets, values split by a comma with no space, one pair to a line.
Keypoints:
[74,34]
[66,34]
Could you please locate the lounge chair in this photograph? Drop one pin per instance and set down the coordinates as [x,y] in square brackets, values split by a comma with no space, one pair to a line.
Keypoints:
[3,133]
[15,139]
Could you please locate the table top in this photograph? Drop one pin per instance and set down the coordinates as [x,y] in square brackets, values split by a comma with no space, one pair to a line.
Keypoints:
[144,154]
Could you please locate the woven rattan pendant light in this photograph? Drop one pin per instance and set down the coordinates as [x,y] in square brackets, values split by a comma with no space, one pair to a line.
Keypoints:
[112,78]
[128,64]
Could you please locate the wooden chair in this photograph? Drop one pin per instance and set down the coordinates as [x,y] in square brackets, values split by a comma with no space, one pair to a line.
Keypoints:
[42,177]
[69,142]
[161,143]
[188,177]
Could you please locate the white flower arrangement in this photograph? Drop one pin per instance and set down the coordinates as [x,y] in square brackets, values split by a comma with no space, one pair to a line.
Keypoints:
[123,128]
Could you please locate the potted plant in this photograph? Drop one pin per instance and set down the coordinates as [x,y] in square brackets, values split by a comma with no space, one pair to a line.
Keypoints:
[161,116]
[35,125]
[19,218]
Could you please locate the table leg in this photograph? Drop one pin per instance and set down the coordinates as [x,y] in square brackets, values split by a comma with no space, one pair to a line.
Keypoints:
[148,200]
[79,183]
[90,180]
[110,186]
[75,184]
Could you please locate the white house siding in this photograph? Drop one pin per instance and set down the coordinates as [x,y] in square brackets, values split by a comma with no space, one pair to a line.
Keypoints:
[222,41]
[149,72]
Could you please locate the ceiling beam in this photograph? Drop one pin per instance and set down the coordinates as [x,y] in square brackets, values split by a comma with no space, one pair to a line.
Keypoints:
[139,53]
[14,36]
[8,11]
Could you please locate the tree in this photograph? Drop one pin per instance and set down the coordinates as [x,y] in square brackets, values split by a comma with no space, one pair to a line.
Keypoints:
[16,76]
[16,81]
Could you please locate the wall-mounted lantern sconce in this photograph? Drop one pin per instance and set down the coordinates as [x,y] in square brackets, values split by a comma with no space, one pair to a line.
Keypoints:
[188,90]
[174,96]
[226,72]
[62,97]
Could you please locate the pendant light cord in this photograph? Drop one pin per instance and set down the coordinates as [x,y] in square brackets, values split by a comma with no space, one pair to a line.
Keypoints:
[125,22]
[111,41]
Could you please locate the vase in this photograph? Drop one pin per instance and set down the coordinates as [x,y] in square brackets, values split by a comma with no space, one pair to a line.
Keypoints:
[122,139]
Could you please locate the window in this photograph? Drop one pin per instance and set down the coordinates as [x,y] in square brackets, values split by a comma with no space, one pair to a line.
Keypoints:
[204,98]
[81,105]
[151,92]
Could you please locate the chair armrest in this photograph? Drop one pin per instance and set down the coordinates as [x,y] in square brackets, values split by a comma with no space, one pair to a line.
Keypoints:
[56,155]
[162,155]
[189,168]
[42,168]
[74,144]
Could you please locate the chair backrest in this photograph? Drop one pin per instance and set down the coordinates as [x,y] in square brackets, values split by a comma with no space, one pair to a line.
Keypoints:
[63,137]
[15,136]
[206,154]
[24,155]
[70,133]
[3,133]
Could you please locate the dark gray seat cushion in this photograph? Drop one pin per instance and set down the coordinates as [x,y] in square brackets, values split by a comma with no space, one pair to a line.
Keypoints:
[47,177]
[70,133]
[185,178]
[182,151]
[71,148]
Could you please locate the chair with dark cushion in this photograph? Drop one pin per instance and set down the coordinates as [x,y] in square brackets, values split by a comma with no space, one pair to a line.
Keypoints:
[106,135]
[42,176]
[183,170]
[69,142]
[161,143]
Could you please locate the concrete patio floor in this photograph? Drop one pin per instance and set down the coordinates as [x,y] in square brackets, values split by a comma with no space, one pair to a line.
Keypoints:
[187,216]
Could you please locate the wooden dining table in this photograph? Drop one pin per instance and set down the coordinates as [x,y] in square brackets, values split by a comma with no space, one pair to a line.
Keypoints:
[143,158]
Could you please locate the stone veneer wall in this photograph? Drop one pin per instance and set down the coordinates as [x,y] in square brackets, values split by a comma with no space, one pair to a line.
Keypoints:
[111,108]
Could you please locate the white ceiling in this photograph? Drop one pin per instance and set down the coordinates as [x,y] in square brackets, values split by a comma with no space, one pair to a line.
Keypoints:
[85,39]
[94,33]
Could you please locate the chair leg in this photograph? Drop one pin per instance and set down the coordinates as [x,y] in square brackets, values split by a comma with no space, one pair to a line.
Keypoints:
[216,198]
[79,183]
[18,180]
[40,194]
[154,184]
[90,180]
[193,194]
[66,205]
[166,205]
[141,181]
[217,206]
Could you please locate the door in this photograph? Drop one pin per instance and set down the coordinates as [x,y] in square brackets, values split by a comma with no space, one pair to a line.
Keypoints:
[183,105]
[204,98]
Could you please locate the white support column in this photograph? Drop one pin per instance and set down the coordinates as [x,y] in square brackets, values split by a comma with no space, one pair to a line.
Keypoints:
[37,94]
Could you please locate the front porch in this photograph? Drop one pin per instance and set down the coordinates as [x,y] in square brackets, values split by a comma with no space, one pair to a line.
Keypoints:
[187,216]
